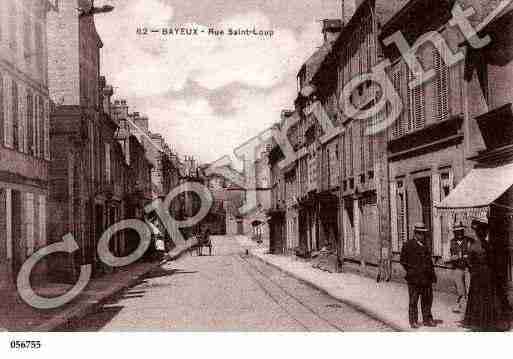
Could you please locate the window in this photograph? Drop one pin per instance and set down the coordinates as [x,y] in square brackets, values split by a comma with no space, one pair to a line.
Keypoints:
[15,119]
[27,36]
[12,24]
[38,34]
[30,123]
[108,164]
[327,164]
[371,152]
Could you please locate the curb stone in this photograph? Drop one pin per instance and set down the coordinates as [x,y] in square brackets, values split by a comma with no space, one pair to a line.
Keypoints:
[363,309]
[81,309]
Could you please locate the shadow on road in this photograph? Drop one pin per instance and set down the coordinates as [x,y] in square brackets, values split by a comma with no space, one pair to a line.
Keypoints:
[107,311]
[161,272]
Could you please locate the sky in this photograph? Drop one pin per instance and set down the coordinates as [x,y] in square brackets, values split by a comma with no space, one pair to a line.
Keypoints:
[209,95]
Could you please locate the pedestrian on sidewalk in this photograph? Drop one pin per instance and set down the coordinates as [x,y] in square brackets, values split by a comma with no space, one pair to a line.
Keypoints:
[483,311]
[420,275]
[459,263]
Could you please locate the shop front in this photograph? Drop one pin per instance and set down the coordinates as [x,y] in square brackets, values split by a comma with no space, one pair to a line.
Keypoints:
[486,192]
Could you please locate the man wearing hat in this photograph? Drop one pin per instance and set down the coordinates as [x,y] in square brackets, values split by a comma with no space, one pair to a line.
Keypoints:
[420,275]
[459,264]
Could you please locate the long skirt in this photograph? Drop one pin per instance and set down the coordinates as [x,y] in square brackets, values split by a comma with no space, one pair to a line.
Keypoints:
[483,311]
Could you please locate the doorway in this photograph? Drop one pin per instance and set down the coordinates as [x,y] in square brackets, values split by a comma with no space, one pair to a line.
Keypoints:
[423,187]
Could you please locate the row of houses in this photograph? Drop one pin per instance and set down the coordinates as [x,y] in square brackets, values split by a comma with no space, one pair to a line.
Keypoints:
[356,193]
[72,160]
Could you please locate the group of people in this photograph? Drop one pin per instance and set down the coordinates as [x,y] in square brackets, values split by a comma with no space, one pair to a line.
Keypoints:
[479,294]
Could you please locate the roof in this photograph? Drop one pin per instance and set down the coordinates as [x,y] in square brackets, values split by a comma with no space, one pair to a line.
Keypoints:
[478,190]
[315,61]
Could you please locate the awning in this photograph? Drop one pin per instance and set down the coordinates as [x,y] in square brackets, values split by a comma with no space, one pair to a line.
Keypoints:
[477,191]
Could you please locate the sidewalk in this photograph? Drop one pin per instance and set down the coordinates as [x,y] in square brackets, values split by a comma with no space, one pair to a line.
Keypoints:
[385,301]
[16,315]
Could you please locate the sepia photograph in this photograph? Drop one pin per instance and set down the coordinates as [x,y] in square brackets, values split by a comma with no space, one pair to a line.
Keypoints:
[255,166]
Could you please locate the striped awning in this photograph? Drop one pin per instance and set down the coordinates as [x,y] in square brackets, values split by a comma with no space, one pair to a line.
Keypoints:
[477,191]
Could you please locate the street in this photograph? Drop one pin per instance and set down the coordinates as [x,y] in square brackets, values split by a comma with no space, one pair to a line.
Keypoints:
[224,292]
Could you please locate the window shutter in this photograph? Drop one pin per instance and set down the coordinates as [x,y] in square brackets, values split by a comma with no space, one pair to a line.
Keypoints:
[441,83]
[357,222]
[397,129]
[393,216]
[417,105]
[46,118]
[8,221]
[29,203]
[402,213]
[22,119]
[437,224]
[8,124]
[42,221]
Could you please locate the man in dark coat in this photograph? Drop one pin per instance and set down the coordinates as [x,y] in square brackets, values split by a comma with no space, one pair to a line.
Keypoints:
[420,275]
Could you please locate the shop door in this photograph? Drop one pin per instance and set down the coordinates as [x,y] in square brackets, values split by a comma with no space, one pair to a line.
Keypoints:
[240,227]
[369,229]
[17,239]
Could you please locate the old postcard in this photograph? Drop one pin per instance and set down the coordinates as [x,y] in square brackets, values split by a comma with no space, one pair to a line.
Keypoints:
[255,166]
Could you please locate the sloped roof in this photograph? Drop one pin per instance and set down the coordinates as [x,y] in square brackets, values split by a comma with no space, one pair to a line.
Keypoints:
[315,61]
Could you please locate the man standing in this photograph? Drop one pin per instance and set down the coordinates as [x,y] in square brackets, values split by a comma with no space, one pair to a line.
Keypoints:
[459,263]
[420,275]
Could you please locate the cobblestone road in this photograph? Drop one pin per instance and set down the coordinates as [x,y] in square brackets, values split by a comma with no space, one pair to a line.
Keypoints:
[225,292]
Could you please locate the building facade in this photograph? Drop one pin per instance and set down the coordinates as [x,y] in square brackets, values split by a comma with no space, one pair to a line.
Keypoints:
[82,140]
[24,134]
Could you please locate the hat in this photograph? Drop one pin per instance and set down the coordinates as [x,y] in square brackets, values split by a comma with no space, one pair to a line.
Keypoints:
[458,227]
[419,227]
[479,223]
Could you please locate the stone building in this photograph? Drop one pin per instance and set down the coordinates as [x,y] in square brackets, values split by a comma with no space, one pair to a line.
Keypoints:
[24,134]
[82,139]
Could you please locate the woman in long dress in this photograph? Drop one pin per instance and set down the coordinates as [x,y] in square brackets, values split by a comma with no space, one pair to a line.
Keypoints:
[483,305]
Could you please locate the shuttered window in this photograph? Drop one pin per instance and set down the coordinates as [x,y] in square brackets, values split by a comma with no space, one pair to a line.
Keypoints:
[12,24]
[27,36]
[441,85]
[39,55]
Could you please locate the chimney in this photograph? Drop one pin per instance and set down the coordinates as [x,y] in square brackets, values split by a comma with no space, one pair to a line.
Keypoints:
[330,29]
[108,92]
[141,121]
[349,7]
[119,111]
